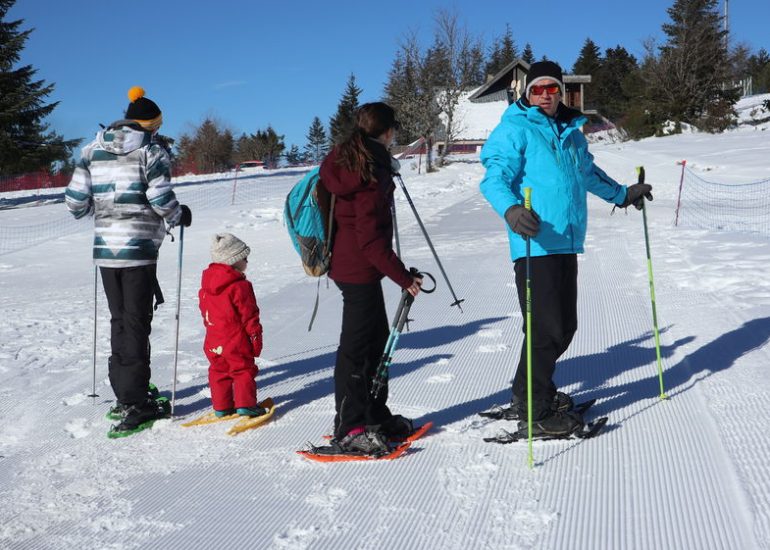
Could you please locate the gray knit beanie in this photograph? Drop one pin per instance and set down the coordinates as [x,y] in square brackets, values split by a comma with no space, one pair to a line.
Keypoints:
[228,249]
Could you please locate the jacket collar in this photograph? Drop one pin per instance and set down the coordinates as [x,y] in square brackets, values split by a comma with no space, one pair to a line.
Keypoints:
[565,121]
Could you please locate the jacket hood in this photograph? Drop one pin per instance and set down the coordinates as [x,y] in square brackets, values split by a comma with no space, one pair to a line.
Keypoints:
[121,138]
[217,277]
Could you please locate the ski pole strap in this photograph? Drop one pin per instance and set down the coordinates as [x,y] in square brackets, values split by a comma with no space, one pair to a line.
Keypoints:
[315,306]
[422,274]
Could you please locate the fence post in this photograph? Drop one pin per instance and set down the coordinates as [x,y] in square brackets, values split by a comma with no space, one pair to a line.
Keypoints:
[683,164]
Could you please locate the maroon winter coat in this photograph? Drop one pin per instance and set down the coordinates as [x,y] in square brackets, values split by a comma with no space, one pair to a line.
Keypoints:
[362,252]
[230,312]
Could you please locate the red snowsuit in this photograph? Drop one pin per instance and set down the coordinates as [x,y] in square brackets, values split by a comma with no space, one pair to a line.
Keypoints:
[233,336]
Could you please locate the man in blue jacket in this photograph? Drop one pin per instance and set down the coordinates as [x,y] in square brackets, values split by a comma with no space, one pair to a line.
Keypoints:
[538,144]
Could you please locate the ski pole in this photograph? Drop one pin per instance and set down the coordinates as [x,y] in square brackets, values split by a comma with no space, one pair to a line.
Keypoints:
[457,301]
[381,375]
[395,228]
[93,394]
[640,171]
[178,309]
[528,299]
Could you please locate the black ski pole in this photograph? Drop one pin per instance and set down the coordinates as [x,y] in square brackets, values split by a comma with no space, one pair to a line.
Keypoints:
[402,314]
[457,301]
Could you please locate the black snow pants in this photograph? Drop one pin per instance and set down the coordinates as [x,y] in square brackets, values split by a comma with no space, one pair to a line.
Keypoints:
[364,334]
[130,291]
[553,285]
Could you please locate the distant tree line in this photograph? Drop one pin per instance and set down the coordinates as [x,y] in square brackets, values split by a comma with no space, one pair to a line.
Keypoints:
[692,77]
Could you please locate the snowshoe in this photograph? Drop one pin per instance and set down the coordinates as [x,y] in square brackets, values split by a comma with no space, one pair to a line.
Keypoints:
[141,417]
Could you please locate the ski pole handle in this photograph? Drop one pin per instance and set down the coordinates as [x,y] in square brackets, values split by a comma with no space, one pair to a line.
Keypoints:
[528,198]
[640,174]
[414,272]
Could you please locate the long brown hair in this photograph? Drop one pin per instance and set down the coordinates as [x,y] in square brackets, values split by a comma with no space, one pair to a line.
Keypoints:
[372,120]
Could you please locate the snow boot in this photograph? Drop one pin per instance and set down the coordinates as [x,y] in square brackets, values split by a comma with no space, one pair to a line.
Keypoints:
[361,441]
[562,402]
[118,410]
[551,424]
[251,411]
[397,427]
[140,417]
[222,414]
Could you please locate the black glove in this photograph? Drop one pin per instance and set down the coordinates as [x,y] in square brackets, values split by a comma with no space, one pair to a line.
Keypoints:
[635,194]
[186,218]
[522,221]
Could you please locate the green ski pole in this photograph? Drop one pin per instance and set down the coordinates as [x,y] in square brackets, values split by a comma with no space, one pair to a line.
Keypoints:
[528,206]
[640,171]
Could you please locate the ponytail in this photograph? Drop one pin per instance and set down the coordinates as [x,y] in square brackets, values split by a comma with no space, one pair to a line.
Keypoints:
[353,155]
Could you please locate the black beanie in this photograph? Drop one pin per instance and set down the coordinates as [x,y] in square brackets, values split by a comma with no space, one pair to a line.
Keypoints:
[143,110]
[544,70]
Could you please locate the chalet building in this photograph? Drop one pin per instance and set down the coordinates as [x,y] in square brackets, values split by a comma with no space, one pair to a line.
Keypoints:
[480,110]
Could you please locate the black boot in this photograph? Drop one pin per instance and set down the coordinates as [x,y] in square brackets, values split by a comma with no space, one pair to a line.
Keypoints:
[552,424]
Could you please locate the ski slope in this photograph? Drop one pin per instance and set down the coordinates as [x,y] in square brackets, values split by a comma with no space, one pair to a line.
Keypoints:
[687,472]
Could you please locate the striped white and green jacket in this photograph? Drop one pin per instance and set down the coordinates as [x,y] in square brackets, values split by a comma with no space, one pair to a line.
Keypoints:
[124,180]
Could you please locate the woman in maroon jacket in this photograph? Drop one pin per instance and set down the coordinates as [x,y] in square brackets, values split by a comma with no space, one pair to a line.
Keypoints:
[359,171]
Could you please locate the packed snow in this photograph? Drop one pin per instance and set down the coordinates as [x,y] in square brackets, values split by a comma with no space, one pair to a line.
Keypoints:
[686,472]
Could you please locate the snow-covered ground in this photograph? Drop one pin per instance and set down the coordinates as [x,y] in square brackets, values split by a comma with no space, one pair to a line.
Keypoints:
[688,472]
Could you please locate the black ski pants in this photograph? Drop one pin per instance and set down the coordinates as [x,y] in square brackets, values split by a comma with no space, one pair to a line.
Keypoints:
[130,291]
[364,334]
[553,285]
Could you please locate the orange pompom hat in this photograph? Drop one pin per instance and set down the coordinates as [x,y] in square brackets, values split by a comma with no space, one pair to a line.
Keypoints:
[143,110]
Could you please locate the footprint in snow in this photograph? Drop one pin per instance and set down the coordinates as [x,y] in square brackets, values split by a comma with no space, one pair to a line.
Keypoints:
[443,378]
[77,428]
[493,348]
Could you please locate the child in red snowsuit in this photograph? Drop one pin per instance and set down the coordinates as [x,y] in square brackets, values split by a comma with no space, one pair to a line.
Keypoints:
[233,331]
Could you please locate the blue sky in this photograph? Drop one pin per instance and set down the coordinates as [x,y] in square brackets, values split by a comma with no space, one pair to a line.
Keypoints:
[254,63]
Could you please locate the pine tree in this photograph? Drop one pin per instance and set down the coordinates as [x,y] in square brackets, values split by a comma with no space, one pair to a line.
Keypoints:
[528,55]
[26,143]
[210,149]
[270,146]
[502,53]
[759,70]
[692,72]
[611,86]
[589,60]
[317,142]
[294,157]
[343,122]
[411,91]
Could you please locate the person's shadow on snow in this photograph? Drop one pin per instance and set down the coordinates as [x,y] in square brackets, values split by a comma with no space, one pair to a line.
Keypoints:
[309,367]
[593,373]
[416,339]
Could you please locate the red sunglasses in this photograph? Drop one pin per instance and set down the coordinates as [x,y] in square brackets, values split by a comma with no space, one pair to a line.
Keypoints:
[552,89]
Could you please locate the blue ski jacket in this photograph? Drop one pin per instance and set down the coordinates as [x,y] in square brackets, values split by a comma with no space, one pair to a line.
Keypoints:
[549,154]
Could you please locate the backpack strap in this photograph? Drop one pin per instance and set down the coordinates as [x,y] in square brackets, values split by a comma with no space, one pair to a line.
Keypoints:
[327,251]
[328,244]
[315,307]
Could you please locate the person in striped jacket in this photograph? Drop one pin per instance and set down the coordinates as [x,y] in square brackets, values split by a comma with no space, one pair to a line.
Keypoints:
[123,179]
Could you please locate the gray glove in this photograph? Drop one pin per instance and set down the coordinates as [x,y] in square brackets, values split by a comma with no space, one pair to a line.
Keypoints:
[522,221]
[635,194]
